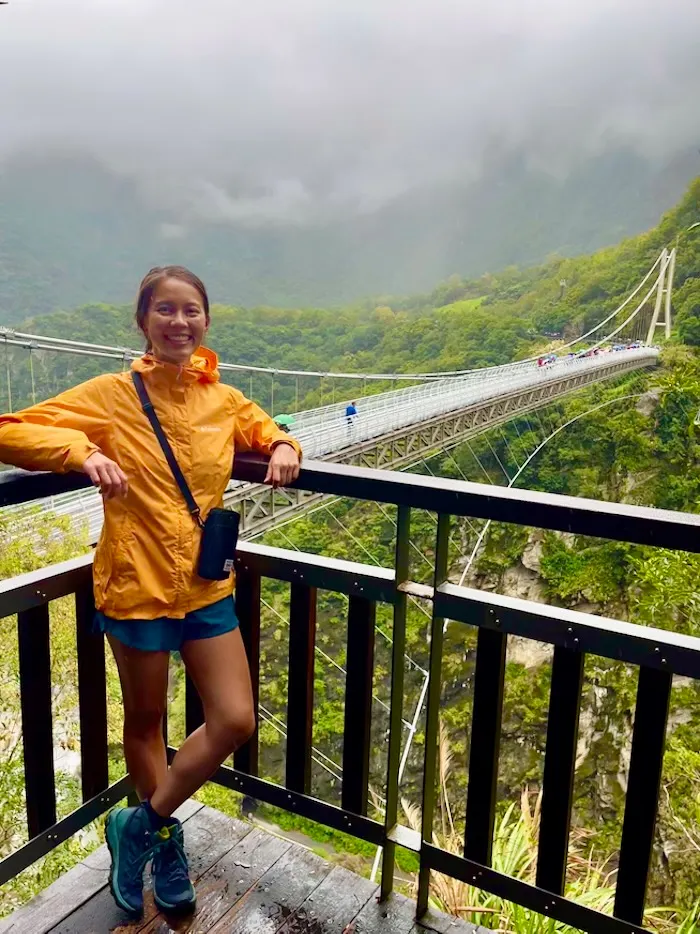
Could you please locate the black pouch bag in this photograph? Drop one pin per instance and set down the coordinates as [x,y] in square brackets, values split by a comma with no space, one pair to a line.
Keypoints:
[218,548]
[220,529]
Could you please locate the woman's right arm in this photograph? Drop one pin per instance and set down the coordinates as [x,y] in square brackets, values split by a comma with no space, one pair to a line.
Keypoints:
[61,433]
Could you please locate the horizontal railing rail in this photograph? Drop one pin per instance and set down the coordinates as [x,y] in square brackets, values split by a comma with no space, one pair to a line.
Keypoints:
[641,525]
[657,654]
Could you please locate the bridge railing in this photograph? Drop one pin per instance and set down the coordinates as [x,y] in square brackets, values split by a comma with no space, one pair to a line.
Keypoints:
[326,429]
[657,655]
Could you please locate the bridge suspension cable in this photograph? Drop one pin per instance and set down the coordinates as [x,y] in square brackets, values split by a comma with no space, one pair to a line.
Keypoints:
[658,286]
[14,338]
[324,431]
[528,460]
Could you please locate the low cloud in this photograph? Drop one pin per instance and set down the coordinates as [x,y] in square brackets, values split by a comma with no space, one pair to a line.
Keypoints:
[287,113]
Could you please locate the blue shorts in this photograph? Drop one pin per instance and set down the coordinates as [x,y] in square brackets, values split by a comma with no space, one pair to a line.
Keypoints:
[167,635]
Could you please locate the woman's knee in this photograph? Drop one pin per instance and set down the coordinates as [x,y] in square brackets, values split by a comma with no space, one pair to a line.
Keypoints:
[144,723]
[232,728]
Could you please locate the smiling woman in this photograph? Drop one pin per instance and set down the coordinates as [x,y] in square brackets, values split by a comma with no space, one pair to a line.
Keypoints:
[153,594]
[172,310]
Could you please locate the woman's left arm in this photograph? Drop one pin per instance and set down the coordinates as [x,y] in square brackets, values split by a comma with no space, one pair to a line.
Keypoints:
[254,430]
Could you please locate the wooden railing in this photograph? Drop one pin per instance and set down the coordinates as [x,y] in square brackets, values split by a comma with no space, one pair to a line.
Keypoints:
[658,655]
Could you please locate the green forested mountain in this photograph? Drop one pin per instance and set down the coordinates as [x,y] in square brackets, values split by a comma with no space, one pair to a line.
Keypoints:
[73,233]
[460,324]
[642,447]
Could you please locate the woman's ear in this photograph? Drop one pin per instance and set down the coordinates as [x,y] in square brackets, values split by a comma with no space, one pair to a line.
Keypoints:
[142,329]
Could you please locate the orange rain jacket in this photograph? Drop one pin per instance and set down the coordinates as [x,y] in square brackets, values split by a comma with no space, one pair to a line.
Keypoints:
[145,562]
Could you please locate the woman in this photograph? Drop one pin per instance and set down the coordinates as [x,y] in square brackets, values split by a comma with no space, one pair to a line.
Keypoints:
[149,598]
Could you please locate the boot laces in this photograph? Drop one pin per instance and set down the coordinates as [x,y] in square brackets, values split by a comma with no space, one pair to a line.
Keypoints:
[155,843]
[175,866]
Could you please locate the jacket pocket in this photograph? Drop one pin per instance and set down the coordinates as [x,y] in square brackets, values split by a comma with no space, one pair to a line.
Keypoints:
[114,561]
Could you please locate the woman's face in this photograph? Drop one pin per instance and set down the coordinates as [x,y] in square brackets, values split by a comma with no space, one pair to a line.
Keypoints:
[176,321]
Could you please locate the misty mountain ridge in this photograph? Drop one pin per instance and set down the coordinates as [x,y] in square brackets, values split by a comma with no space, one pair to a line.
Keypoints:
[72,232]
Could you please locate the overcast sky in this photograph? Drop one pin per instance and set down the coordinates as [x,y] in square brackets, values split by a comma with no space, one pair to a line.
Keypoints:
[270,110]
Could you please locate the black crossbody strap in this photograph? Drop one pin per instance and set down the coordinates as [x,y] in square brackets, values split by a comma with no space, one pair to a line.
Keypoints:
[147,406]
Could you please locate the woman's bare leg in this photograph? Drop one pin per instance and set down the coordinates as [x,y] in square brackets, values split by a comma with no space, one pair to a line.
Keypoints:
[144,681]
[219,669]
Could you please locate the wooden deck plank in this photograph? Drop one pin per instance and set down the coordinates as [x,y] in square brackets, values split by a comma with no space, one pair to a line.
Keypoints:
[248,882]
[208,836]
[50,907]
[333,906]
[228,880]
[445,924]
[279,892]
[397,914]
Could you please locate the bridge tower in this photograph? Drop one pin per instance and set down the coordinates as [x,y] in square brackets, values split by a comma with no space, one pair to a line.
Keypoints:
[663,296]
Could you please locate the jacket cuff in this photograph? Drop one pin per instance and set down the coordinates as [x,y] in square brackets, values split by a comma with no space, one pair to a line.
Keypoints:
[291,441]
[78,453]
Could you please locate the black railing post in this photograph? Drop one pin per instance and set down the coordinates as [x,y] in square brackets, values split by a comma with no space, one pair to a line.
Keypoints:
[484,747]
[37,721]
[432,724]
[92,697]
[248,611]
[643,786]
[300,702]
[659,655]
[401,565]
[358,704]
[559,766]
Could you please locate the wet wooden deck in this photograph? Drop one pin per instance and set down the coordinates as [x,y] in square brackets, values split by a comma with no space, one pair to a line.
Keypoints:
[247,881]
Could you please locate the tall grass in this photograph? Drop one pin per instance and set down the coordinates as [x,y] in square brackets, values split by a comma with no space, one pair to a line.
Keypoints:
[590,880]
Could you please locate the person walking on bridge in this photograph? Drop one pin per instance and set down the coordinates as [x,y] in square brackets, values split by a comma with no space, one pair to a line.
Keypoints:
[159,443]
[351,414]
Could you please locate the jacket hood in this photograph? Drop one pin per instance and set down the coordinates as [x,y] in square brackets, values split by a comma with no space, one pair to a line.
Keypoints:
[202,367]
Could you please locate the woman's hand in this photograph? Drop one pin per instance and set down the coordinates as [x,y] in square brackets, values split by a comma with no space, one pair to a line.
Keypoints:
[106,475]
[283,468]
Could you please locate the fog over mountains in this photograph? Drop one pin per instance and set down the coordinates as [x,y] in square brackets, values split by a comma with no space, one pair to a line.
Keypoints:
[315,152]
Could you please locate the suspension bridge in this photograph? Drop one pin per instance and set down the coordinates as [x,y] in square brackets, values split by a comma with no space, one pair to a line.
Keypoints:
[437,411]
[397,429]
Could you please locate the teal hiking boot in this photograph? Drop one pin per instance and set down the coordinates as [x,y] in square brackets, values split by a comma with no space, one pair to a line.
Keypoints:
[131,844]
[172,889]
